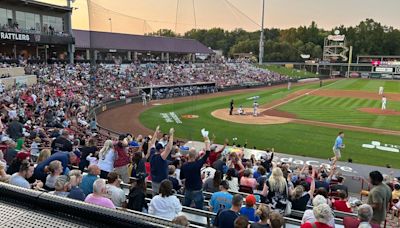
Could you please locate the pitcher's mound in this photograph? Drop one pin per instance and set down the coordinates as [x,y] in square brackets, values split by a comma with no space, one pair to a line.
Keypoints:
[378,111]
[223,114]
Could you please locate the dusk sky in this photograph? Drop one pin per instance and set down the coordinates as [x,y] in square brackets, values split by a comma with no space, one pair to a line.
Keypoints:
[150,15]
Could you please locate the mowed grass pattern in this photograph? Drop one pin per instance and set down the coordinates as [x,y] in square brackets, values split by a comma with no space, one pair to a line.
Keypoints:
[289,138]
[390,86]
[343,110]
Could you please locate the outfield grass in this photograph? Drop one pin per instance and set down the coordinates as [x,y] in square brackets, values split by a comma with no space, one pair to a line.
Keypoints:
[294,73]
[390,86]
[289,138]
[344,110]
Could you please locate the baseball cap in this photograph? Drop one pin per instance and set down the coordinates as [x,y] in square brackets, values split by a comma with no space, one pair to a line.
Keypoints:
[213,147]
[159,146]
[250,200]
[77,153]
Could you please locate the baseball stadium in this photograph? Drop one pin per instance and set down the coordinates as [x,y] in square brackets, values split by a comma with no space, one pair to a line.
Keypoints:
[301,121]
[212,113]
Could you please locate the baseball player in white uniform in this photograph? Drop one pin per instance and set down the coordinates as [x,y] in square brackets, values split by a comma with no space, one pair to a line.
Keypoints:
[380,90]
[144,98]
[255,108]
[240,110]
[384,100]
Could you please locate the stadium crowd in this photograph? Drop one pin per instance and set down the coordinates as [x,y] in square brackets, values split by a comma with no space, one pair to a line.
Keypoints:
[50,143]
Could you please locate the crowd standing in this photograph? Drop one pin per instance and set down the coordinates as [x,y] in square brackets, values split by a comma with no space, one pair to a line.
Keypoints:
[49,142]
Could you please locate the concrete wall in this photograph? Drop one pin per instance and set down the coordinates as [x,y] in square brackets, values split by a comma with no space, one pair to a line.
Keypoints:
[13,71]
[29,80]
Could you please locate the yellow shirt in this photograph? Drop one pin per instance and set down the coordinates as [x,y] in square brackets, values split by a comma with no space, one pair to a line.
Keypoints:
[396,194]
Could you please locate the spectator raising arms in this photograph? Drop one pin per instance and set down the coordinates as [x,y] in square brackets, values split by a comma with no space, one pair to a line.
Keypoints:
[158,161]
[122,158]
[191,175]
[300,197]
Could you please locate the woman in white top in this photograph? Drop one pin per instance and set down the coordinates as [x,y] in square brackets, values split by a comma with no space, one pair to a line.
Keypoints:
[106,159]
[165,205]
[232,180]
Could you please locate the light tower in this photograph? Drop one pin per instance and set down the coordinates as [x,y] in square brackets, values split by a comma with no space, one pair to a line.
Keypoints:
[261,54]
[69,24]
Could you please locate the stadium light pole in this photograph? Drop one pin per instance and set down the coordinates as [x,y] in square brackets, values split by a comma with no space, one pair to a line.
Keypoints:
[69,24]
[350,60]
[261,54]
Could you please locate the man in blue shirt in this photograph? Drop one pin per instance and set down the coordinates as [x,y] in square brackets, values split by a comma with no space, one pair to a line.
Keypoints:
[222,199]
[226,218]
[65,158]
[88,180]
[158,161]
[191,174]
[337,147]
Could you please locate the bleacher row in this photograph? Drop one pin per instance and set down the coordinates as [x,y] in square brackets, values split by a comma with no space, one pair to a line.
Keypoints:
[204,217]
[196,217]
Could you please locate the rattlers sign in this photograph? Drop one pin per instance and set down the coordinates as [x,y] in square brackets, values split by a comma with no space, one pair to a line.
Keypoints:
[14,36]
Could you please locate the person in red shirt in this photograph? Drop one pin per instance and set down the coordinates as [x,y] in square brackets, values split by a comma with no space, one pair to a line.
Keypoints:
[364,216]
[323,214]
[342,204]
[59,92]
[122,159]
[214,153]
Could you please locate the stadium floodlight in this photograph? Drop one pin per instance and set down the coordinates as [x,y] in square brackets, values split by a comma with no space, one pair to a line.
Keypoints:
[305,56]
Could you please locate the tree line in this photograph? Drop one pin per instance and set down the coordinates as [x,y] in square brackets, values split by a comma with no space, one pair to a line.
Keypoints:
[367,38]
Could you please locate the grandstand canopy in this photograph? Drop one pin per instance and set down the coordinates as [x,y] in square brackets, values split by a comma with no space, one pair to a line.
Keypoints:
[106,40]
[37,5]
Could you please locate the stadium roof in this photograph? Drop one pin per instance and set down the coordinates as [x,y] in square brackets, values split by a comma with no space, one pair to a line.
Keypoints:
[119,41]
[37,5]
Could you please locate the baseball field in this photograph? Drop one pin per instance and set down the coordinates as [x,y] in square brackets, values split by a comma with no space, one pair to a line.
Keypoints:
[304,120]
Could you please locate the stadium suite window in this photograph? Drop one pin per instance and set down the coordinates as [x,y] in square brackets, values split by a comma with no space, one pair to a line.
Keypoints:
[28,21]
[5,16]
[56,22]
